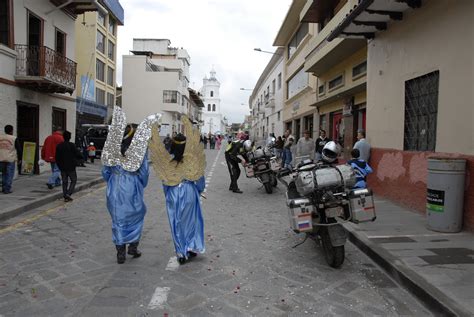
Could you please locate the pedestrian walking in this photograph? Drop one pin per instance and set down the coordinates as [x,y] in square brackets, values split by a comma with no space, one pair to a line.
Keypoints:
[235,154]
[288,143]
[183,182]
[66,159]
[48,154]
[279,147]
[320,143]
[212,142]
[362,145]
[126,172]
[167,142]
[10,151]
[305,147]
[91,149]
[204,140]
[361,169]
[219,142]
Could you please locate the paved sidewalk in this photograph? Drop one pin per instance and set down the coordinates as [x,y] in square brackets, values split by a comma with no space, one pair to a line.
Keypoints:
[437,267]
[31,191]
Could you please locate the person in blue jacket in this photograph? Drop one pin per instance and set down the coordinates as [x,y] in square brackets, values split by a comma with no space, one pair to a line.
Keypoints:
[361,169]
[184,209]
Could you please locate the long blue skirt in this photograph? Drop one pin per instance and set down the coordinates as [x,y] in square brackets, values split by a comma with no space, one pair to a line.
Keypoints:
[185,216]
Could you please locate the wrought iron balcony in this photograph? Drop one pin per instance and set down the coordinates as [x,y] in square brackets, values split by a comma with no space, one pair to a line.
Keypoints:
[43,69]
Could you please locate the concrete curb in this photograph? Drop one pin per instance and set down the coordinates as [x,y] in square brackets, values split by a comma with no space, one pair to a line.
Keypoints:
[13,212]
[437,302]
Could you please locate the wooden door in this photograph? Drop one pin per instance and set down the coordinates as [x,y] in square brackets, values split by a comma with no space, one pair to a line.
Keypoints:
[28,127]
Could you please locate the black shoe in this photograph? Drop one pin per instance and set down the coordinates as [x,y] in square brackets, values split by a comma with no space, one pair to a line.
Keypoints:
[7,192]
[181,261]
[50,186]
[192,254]
[133,250]
[121,253]
[237,191]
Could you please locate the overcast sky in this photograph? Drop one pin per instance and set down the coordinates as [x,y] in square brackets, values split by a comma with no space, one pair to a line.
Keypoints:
[222,33]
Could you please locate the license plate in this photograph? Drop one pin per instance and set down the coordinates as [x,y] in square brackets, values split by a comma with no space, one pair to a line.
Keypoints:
[334,212]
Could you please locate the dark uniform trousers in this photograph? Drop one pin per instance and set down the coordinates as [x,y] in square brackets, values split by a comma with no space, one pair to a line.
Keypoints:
[234,171]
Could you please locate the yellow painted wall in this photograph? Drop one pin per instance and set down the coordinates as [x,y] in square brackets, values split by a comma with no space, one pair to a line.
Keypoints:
[306,97]
[86,53]
[438,36]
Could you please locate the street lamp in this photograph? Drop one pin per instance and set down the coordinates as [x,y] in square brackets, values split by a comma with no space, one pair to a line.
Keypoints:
[261,51]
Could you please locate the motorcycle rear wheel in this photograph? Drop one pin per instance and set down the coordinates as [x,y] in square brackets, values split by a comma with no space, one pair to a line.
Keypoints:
[334,255]
[268,187]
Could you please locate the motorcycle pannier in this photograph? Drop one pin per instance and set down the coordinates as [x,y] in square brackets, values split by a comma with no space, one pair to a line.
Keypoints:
[249,171]
[275,164]
[362,205]
[299,213]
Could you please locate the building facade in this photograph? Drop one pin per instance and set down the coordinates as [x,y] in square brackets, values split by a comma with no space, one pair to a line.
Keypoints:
[211,115]
[420,99]
[96,55]
[341,68]
[156,79]
[299,86]
[266,101]
[37,67]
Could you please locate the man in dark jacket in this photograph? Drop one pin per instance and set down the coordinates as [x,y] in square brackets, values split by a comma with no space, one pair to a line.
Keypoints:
[320,143]
[66,159]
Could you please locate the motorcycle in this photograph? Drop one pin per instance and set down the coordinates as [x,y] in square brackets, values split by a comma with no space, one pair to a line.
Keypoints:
[320,198]
[264,167]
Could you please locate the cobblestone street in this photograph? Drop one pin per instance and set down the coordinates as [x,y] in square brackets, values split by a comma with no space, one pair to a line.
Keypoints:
[58,260]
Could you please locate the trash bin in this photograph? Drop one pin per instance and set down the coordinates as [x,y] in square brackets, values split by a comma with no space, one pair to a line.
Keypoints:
[445,194]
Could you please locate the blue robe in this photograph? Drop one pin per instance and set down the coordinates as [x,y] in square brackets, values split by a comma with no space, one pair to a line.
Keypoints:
[125,201]
[185,216]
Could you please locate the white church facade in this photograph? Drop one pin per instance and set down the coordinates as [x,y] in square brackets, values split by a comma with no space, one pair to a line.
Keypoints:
[211,114]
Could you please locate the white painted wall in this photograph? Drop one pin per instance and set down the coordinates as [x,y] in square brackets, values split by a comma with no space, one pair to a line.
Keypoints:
[142,92]
[9,94]
[270,113]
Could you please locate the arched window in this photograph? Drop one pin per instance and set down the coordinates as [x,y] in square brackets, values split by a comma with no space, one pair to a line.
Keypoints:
[209,107]
[212,93]
[213,107]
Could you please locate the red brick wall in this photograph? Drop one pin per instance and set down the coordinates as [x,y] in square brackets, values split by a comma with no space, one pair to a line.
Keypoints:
[401,176]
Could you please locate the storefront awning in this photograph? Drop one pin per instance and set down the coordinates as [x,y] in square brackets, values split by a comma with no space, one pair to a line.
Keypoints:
[371,16]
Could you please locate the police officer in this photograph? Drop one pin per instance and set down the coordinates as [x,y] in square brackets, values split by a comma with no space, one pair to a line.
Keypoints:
[235,154]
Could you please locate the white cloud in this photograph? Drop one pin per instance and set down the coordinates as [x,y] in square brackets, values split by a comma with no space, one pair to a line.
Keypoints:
[222,33]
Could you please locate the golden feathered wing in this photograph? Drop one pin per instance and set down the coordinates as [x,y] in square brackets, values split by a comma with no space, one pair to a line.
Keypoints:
[194,160]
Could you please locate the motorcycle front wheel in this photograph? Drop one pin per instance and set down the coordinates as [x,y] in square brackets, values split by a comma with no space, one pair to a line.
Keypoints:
[268,187]
[274,180]
[334,255]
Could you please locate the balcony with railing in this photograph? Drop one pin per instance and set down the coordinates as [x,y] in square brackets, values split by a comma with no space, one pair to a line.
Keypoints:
[269,100]
[326,54]
[43,69]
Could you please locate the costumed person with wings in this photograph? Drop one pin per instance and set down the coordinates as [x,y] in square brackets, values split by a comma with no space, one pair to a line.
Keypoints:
[182,173]
[125,170]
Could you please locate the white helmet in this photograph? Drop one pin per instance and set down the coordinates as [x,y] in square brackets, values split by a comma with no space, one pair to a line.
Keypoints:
[92,143]
[247,145]
[330,152]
